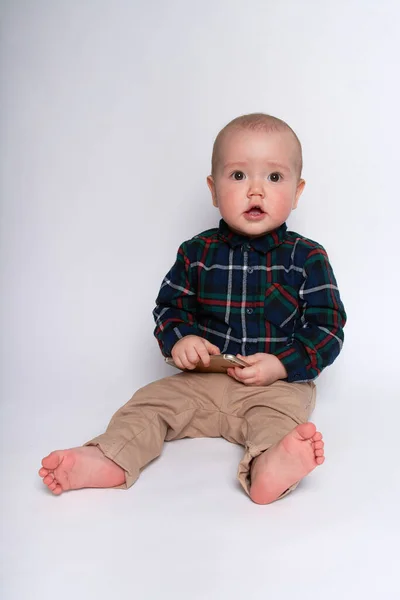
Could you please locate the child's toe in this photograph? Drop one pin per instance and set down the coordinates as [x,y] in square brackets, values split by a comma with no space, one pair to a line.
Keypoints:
[52,461]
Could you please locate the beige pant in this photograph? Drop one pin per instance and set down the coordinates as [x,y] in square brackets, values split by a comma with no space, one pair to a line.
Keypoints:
[204,405]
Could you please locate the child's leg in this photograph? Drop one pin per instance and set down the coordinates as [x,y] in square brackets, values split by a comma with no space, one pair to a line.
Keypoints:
[281,447]
[184,405]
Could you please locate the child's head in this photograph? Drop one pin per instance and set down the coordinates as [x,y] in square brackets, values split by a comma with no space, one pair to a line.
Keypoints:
[256,173]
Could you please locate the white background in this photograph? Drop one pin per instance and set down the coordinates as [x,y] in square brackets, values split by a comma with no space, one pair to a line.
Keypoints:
[108,114]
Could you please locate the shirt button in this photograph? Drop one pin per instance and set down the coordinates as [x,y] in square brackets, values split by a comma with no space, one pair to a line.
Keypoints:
[250,270]
[249,311]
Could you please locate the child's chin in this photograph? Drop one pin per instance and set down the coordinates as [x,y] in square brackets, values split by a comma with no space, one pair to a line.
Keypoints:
[255,227]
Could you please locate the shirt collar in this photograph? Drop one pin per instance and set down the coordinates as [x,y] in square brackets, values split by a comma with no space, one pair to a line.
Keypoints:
[263,243]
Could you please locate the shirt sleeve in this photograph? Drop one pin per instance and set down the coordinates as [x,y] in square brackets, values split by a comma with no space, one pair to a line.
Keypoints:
[175,311]
[318,337]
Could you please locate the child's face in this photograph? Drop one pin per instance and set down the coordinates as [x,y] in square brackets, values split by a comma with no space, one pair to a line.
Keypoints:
[256,183]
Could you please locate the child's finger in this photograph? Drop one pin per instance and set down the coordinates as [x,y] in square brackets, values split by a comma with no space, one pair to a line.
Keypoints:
[211,348]
[231,373]
[247,372]
[240,375]
[178,362]
[189,362]
[203,354]
[251,381]
[250,360]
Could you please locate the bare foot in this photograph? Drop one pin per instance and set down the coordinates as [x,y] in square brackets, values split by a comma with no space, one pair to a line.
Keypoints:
[285,463]
[81,467]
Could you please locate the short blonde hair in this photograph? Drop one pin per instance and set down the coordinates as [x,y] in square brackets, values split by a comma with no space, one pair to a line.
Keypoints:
[257,122]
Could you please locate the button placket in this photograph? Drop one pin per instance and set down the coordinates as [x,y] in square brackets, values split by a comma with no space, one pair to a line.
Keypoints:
[250,270]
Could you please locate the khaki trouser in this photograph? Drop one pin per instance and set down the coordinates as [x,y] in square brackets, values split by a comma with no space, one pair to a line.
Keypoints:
[204,405]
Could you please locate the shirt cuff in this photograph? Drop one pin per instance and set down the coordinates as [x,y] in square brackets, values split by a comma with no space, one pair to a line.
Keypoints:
[294,361]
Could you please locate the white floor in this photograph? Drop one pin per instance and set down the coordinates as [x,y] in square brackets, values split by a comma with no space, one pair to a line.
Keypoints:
[187,531]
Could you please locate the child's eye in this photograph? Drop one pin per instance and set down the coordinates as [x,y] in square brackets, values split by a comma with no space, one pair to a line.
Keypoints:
[238,175]
[275,177]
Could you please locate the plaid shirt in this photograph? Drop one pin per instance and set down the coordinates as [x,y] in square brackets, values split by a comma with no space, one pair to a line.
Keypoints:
[275,294]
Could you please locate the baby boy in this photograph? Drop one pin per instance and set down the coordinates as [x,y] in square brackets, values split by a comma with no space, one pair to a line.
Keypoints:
[250,288]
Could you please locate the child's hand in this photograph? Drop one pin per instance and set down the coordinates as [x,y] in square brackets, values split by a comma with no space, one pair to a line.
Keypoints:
[264,369]
[192,348]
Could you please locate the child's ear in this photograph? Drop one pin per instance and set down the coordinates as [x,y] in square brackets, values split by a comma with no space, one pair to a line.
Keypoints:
[299,191]
[211,185]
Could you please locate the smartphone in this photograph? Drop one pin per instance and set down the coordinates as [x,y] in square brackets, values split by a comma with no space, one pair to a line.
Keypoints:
[219,363]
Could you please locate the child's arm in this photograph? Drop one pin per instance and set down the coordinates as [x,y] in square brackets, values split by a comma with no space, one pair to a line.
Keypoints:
[317,343]
[176,304]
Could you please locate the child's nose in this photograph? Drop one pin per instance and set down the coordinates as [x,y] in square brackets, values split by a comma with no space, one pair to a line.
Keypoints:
[256,188]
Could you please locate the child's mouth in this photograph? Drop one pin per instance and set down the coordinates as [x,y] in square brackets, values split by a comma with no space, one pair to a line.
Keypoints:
[254,213]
